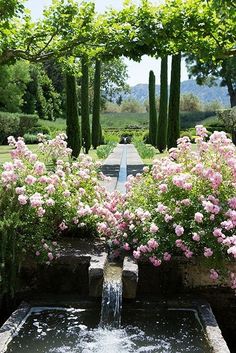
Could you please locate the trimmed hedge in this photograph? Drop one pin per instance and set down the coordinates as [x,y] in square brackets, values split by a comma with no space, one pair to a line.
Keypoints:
[15,124]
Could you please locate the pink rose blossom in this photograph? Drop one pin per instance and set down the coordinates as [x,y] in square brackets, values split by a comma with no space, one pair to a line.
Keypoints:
[136,254]
[179,230]
[168,218]
[208,252]
[196,237]
[22,199]
[217,232]
[50,202]
[39,168]
[66,193]
[214,274]
[154,228]
[126,247]
[50,256]
[188,253]
[152,244]
[30,180]
[167,256]
[63,226]
[163,188]
[198,217]
[20,190]
[41,211]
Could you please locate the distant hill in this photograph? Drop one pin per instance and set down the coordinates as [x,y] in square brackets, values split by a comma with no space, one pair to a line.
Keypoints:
[204,93]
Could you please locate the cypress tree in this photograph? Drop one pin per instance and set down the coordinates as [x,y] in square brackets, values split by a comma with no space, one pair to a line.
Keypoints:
[152,110]
[174,101]
[162,120]
[72,119]
[85,125]
[96,128]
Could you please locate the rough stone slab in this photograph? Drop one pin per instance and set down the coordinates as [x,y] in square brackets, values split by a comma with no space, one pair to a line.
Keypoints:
[133,158]
[115,157]
[8,330]
[214,335]
[96,274]
[129,278]
[76,251]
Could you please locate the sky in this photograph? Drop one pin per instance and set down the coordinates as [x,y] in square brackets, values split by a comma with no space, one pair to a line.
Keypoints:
[138,72]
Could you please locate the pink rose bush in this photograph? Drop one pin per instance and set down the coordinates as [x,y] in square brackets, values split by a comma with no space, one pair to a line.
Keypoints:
[45,195]
[184,206]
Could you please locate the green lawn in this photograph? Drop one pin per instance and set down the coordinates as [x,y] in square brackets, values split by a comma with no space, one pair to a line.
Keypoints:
[5,152]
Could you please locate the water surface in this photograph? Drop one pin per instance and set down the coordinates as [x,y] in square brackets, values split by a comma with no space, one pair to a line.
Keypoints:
[143,330]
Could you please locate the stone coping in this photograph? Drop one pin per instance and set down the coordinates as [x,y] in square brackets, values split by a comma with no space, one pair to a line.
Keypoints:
[202,308]
[9,329]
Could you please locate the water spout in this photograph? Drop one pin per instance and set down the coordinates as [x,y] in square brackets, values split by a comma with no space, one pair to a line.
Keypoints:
[112,297]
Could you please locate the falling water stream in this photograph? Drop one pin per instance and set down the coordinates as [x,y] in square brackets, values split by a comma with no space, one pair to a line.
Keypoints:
[111,297]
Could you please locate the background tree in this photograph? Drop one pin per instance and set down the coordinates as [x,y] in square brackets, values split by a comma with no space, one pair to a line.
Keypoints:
[72,119]
[162,119]
[152,109]
[96,128]
[13,83]
[85,124]
[114,75]
[228,118]
[40,95]
[190,103]
[131,106]
[212,73]
[173,131]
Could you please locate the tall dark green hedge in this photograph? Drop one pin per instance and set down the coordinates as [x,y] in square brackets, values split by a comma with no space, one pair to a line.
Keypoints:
[152,109]
[96,128]
[174,101]
[72,119]
[85,125]
[162,120]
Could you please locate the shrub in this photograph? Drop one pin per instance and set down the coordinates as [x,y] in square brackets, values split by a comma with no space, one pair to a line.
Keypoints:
[103,151]
[15,124]
[111,108]
[9,123]
[190,119]
[146,137]
[188,133]
[132,106]
[39,204]
[40,129]
[111,137]
[184,205]
[191,103]
[30,139]
[145,151]
[27,122]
